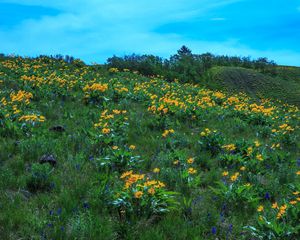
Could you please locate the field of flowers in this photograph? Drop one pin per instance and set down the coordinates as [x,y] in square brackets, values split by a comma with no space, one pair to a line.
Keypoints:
[94,153]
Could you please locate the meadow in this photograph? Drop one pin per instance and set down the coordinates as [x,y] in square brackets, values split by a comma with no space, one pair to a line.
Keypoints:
[89,152]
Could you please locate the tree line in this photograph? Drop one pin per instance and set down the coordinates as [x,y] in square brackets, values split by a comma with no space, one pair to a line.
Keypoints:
[186,66]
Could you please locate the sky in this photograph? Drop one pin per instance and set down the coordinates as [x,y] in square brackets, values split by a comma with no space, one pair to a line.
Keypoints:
[95,30]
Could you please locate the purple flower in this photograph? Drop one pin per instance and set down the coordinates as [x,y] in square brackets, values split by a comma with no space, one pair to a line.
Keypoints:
[59,211]
[50,225]
[214,230]
[267,196]
[86,205]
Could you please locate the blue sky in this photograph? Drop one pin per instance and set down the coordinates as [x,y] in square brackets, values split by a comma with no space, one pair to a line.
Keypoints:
[94,30]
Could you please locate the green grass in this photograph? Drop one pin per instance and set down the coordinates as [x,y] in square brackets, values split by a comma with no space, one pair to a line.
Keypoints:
[79,204]
[285,86]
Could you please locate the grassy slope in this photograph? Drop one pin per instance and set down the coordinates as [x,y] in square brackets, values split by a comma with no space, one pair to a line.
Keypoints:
[77,180]
[286,86]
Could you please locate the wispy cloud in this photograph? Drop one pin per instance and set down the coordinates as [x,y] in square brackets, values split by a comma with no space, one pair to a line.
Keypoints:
[218,19]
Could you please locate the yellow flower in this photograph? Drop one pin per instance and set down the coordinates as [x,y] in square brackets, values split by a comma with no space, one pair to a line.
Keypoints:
[260,208]
[259,157]
[298,173]
[176,162]
[274,205]
[165,133]
[156,170]
[151,191]
[126,174]
[293,202]
[225,173]
[138,194]
[234,177]
[203,134]
[192,171]
[116,111]
[115,147]
[105,130]
[229,147]
[132,147]
[113,70]
[257,144]
[190,160]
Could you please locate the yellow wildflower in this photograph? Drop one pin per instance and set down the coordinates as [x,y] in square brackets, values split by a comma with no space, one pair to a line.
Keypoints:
[260,208]
[138,194]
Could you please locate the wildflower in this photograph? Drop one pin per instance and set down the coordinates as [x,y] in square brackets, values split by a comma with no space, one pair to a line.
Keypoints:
[274,205]
[126,174]
[203,134]
[257,144]
[86,205]
[113,70]
[225,173]
[156,170]
[249,151]
[260,208]
[229,147]
[176,162]
[192,171]
[132,147]
[243,168]
[296,193]
[190,160]
[115,147]
[105,130]
[160,184]
[165,133]
[259,157]
[293,202]
[298,173]
[282,211]
[214,230]
[115,111]
[96,87]
[151,191]
[138,194]
[234,177]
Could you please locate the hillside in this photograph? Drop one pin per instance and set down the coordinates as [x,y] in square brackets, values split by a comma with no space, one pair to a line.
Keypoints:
[89,152]
[285,86]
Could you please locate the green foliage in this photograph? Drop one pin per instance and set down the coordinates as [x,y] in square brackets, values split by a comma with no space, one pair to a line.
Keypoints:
[188,180]
[40,178]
